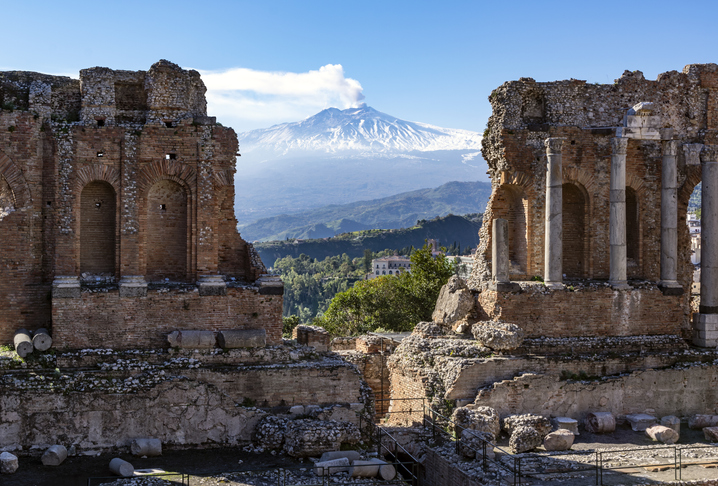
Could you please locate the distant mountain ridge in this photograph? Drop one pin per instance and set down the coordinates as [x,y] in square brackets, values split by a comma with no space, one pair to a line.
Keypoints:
[361,129]
[398,211]
[343,156]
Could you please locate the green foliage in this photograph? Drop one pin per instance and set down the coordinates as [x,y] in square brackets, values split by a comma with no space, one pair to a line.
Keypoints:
[391,302]
[288,325]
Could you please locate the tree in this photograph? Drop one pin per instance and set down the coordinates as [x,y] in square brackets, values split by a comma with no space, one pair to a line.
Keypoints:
[392,302]
[367,261]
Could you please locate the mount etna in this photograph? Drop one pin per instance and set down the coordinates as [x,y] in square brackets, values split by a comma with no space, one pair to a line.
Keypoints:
[344,156]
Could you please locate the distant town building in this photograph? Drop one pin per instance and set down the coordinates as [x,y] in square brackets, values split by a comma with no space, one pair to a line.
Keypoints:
[694,228]
[390,265]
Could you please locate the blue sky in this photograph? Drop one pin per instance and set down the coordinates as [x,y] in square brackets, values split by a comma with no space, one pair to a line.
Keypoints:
[270,61]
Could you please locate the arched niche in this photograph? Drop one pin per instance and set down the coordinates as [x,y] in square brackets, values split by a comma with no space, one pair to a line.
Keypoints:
[575,231]
[633,234]
[166,235]
[7,198]
[98,228]
[511,204]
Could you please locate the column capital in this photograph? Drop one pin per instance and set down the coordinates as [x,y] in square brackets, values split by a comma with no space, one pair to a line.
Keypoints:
[554,145]
[692,152]
[619,145]
[709,153]
[670,147]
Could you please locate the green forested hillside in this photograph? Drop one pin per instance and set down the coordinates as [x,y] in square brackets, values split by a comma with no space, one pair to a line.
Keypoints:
[463,232]
[399,211]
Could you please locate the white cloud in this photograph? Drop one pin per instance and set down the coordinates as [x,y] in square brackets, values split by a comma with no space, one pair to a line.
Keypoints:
[246,99]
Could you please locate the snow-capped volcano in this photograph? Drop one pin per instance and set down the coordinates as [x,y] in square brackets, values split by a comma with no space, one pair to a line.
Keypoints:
[361,129]
[343,156]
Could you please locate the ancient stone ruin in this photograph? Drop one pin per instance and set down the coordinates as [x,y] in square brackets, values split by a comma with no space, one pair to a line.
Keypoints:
[119,252]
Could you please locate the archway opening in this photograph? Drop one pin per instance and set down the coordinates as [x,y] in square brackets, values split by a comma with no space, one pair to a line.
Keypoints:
[166,237]
[97,228]
[7,198]
[511,204]
[574,232]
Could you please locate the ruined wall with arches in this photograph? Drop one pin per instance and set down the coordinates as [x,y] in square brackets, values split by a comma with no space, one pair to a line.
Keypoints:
[116,216]
[586,117]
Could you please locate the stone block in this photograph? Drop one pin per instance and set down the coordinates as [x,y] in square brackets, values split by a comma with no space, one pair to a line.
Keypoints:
[672,422]
[504,287]
[455,302]
[8,463]
[328,468]
[54,455]
[211,285]
[314,336]
[132,286]
[66,288]
[661,433]
[192,339]
[149,447]
[497,335]
[243,338]
[524,439]
[122,468]
[559,440]
[600,422]
[641,421]
[330,456]
[705,330]
[711,434]
[566,423]
[297,410]
[701,421]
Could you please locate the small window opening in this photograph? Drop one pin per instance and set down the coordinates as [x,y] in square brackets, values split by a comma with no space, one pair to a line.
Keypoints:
[573,142]
[49,204]
[171,156]
[163,207]
[100,153]
[98,204]
[169,124]
[100,122]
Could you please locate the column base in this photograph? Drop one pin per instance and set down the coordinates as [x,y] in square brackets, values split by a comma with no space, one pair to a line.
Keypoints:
[270,285]
[211,285]
[133,286]
[670,287]
[705,330]
[504,287]
[554,285]
[66,287]
[620,285]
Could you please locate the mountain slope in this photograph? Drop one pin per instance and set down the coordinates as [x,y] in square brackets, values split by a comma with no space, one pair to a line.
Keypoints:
[342,156]
[445,230]
[398,211]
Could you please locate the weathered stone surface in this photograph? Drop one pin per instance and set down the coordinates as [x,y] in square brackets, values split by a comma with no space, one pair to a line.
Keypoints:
[351,455]
[524,439]
[149,447]
[661,433]
[23,342]
[41,340]
[364,469]
[640,421]
[673,422]
[269,432]
[497,335]
[541,424]
[54,455]
[331,467]
[567,423]
[701,421]
[428,330]
[455,302]
[8,463]
[474,441]
[304,438]
[483,419]
[711,434]
[387,472]
[600,422]
[122,468]
[242,338]
[192,339]
[559,440]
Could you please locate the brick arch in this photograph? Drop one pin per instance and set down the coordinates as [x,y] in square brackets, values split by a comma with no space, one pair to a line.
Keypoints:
[224,177]
[97,172]
[178,172]
[14,178]
[577,241]
[587,182]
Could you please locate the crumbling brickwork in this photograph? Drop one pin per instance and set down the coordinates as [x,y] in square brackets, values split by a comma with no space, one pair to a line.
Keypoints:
[121,178]
[587,117]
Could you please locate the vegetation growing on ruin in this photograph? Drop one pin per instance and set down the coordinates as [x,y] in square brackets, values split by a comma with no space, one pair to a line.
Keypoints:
[393,302]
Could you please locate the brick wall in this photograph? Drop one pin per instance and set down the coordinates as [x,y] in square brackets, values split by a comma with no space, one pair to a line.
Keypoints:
[438,471]
[104,320]
[588,311]
[97,228]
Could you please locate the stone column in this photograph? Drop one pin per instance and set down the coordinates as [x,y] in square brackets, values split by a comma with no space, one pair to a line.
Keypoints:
[669,220]
[553,244]
[500,280]
[617,218]
[705,324]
